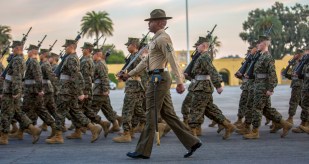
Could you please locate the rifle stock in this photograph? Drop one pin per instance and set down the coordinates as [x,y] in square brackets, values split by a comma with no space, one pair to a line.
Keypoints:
[51,46]
[63,56]
[9,59]
[40,42]
[195,55]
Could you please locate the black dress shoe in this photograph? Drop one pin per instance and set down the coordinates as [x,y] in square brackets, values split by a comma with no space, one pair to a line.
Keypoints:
[193,149]
[136,155]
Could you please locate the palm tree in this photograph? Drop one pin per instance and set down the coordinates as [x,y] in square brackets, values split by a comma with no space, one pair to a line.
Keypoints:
[5,35]
[97,23]
[216,44]
[262,24]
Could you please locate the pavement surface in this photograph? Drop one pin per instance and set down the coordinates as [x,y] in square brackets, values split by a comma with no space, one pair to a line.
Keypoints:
[270,148]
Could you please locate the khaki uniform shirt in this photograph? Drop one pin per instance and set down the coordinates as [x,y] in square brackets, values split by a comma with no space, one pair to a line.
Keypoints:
[161,52]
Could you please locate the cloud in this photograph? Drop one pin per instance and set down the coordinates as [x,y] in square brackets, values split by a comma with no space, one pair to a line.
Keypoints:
[61,19]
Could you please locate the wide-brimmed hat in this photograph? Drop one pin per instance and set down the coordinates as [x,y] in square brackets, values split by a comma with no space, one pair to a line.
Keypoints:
[157,14]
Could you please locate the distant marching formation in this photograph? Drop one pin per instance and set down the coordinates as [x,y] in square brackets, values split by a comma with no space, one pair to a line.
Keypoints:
[78,89]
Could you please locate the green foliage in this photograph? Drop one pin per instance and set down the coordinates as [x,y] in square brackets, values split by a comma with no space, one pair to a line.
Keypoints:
[97,23]
[290,27]
[5,36]
[216,45]
[112,77]
[116,57]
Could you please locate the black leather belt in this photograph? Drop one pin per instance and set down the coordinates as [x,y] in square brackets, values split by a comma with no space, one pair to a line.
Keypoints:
[155,71]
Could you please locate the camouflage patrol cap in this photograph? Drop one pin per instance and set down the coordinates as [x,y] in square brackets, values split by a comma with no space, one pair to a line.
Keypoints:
[16,43]
[132,41]
[307,47]
[157,14]
[42,51]
[69,42]
[32,47]
[53,55]
[96,50]
[87,45]
[197,42]
[263,38]
[202,40]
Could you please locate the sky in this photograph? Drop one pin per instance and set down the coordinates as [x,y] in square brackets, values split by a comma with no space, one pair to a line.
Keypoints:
[61,20]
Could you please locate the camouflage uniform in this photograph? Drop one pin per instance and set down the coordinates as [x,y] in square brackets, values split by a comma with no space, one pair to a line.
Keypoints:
[33,104]
[70,89]
[54,67]
[265,80]
[186,104]
[135,119]
[1,81]
[50,82]
[249,104]
[101,85]
[87,70]
[1,89]
[305,95]
[296,86]
[202,101]
[13,86]
[133,100]
[243,99]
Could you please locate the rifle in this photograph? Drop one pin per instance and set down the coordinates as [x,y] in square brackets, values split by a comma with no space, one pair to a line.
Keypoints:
[108,52]
[195,55]
[244,65]
[102,47]
[285,71]
[24,39]
[51,46]
[128,59]
[97,41]
[249,72]
[299,68]
[63,56]
[40,42]
[9,59]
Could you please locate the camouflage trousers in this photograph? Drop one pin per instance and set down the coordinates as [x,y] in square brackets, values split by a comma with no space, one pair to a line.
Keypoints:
[10,108]
[304,116]
[69,104]
[202,104]
[85,106]
[295,100]
[186,104]
[262,105]
[103,103]
[249,105]
[132,106]
[243,103]
[136,120]
[33,106]
[50,105]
